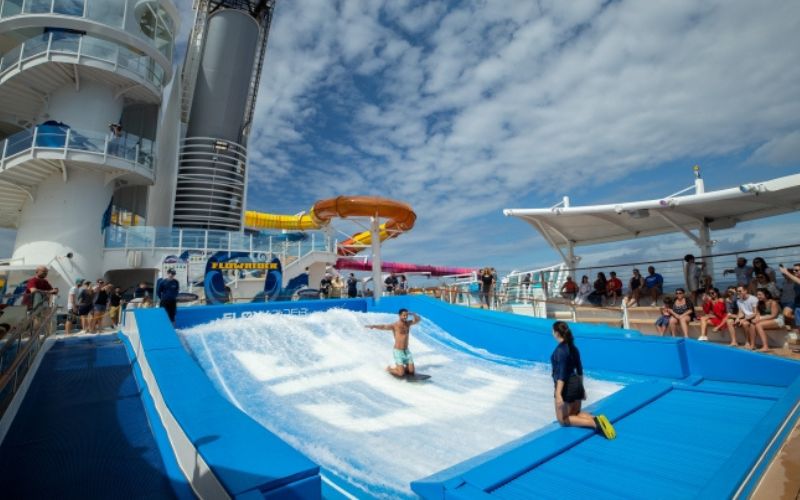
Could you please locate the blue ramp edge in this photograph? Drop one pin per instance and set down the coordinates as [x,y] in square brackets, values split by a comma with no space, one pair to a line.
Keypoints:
[82,432]
[247,459]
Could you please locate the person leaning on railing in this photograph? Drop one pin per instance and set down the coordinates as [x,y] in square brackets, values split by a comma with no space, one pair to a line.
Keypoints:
[38,291]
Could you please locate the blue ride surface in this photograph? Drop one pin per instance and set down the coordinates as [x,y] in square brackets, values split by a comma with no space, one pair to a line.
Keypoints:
[704,422]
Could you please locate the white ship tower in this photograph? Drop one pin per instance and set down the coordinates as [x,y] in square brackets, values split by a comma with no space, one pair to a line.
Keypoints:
[81,91]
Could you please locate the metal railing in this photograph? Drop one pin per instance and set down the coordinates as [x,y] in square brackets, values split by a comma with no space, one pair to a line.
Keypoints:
[152,238]
[83,47]
[47,137]
[19,348]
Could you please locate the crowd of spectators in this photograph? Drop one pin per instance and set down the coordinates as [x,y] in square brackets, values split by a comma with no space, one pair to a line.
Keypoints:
[756,303]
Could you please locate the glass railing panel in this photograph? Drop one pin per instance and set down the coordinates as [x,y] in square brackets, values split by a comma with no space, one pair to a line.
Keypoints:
[108,12]
[37,6]
[100,49]
[51,136]
[87,141]
[240,242]
[11,8]
[19,142]
[10,58]
[166,237]
[65,42]
[217,240]
[140,237]
[68,7]
[33,46]
[194,238]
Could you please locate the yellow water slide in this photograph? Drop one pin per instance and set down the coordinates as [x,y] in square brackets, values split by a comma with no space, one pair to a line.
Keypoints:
[400,217]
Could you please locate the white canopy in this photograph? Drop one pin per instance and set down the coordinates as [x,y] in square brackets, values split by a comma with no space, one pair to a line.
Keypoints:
[565,227]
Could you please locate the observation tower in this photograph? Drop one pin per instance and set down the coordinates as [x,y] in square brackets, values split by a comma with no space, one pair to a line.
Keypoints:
[220,83]
[81,90]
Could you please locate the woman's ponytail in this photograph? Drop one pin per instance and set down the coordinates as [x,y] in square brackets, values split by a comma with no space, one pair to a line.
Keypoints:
[563,331]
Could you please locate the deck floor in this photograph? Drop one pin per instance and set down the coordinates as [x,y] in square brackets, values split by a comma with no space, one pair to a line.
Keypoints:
[81,431]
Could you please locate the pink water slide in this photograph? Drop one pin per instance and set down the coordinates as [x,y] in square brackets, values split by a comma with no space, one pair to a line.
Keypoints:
[401,267]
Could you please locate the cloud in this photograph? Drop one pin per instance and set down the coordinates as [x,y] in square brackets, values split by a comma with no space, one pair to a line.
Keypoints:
[780,151]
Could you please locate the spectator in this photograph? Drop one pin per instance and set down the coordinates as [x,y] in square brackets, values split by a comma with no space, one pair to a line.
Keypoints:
[792,312]
[584,290]
[325,285]
[100,306]
[141,292]
[38,291]
[743,272]
[115,306]
[402,287]
[167,294]
[390,283]
[730,300]
[569,290]
[85,302]
[337,286]
[4,328]
[692,272]
[526,283]
[613,288]
[653,284]
[662,323]
[768,317]
[746,305]
[682,313]
[715,312]
[706,285]
[636,283]
[72,306]
[787,290]
[762,280]
[352,286]
[599,292]
[486,283]
[493,272]
[761,266]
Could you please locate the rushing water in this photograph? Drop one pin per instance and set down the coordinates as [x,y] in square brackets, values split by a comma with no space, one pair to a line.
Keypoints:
[318,382]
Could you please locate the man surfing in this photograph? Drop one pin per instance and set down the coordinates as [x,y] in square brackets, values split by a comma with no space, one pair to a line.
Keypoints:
[404,362]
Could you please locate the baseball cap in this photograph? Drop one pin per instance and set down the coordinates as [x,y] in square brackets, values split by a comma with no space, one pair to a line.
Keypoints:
[78,281]
[171,271]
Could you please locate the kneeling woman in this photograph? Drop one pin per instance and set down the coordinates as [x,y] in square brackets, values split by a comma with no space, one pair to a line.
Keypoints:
[568,379]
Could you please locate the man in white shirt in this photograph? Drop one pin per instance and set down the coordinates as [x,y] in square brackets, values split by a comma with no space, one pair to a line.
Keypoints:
[72,308]
[747,305]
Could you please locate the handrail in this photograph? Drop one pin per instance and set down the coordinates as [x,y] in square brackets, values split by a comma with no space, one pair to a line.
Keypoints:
[37,326]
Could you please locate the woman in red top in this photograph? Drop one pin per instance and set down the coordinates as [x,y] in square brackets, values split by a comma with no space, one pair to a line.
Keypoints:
[714,312]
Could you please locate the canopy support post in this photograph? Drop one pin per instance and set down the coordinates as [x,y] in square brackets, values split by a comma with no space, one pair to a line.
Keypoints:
[375,231]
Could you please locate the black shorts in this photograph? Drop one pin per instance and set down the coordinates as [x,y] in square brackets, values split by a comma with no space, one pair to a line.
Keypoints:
[573,389]
[85,310]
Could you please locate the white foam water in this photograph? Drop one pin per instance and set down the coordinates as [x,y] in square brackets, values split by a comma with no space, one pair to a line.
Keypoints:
[319,382]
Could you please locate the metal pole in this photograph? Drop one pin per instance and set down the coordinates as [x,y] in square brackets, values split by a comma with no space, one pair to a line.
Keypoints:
[376,258]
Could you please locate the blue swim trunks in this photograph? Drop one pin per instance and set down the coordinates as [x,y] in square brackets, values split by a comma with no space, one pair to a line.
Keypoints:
[403,357]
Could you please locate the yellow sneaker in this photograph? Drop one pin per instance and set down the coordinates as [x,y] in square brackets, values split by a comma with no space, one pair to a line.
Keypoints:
[605,427]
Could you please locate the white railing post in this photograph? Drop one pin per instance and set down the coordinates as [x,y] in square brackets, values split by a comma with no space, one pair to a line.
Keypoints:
[5,150]
[33,140]
[270,246]
[251,243]
[626,323]
[66,140]
[229,244]
[205,240]
[127,232]
[49,44]
[180,241]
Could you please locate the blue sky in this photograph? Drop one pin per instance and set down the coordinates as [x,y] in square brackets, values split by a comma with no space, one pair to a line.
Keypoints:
[462,109]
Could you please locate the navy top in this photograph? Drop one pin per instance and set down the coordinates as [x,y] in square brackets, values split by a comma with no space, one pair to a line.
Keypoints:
[168,289]
[565,363]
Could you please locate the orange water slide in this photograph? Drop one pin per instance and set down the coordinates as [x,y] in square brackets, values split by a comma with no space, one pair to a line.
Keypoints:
[400,218]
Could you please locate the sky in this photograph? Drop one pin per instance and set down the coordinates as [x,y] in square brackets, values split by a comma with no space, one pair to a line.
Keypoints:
[462,109]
